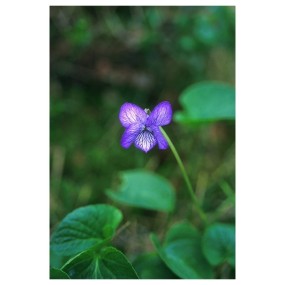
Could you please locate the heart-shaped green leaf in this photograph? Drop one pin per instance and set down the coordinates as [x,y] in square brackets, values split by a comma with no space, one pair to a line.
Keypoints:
[218,244]
[206,102]
[107,263]
[58,274]
[84,228]
[182,253]
[146,190]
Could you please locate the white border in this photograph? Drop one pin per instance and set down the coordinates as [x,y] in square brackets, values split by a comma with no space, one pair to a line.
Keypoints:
[24,148]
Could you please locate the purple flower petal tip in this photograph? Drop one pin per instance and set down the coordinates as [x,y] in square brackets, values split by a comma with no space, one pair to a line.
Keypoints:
[161,114]
[131,114]
[145,141]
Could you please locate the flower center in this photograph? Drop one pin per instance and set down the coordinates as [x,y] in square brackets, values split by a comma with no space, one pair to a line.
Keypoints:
[147,111]
[146,128]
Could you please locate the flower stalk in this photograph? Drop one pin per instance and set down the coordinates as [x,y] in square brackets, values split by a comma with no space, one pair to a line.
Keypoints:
[186,178]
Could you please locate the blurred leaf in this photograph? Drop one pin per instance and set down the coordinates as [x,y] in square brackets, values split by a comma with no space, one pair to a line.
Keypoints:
[206,30]
[218,244]
[150,266]
[58,274]
[206,102]
[154,17]
[80,34]
[84,228]
[146,190]
[182,253]
[187,43]
[109,263]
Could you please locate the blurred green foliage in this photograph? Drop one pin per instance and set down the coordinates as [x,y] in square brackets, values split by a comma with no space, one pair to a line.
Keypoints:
[101,57]
[145,190]
[182,252]
[206,102]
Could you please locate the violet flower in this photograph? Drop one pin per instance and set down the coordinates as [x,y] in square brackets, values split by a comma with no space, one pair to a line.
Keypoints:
[142,126]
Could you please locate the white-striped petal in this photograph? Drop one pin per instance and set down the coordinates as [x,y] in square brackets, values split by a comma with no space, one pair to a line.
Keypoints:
[145,141]
[132,114]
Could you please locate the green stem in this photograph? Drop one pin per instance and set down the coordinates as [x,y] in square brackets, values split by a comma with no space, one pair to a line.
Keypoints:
[186,178]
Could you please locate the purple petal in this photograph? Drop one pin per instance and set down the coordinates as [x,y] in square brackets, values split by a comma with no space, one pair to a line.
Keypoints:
[131,114]
[145,141]
[161,115]
[162,142]
[130,135]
